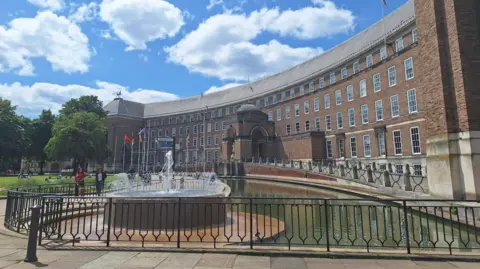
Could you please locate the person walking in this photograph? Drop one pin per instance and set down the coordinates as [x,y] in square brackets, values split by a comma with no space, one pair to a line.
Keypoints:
[80,181]
[100,177]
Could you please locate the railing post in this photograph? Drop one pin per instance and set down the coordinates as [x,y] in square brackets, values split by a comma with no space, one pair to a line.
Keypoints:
[178,221]
[42,216]
[406,178]
[32,235]
[251,222]
[109,223]
[386,178]
[325,204]
[407,232]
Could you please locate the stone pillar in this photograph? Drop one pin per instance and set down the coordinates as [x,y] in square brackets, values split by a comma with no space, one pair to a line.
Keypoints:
[447,70]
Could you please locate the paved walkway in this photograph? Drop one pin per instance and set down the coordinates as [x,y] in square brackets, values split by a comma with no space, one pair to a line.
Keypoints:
[12,253]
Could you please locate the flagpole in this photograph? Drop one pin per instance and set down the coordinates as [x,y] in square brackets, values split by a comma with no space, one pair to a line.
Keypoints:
[131,152]
[123,161]
[188,155]
[115,155]
[204,137]
[143,155]
[148,146]
[139,153]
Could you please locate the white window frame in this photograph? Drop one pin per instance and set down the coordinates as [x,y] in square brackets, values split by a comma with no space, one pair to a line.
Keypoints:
[328,122]
[364,112]
[265,101]
[399,143]
[410,60]
[306,107]
[383,53]
[415,35]
[321,83]
[329,149]
[274,99]
[419,143]
[363,88]
[316,104]
[317,124]
[392,72]
[379,108]
[326,100]
[297,110]
[350,93]
[332,78]
[338,97]
[279,114]
[411,109]
[307,123]
[399,45]
[297,127]
[215,140]
[223,125]
[339,117]
[392,107]
[301,90]
[351,117]
[369,146]
[351,148]
[283,96]
[377,83]
[292,93]
[216,126]
[288,129]
[344,73]
[310,86]
[356,67]
[270,116]
[382,150]
[287,112]
[369,60]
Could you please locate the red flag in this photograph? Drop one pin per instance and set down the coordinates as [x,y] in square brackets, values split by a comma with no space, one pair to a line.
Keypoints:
[128,139]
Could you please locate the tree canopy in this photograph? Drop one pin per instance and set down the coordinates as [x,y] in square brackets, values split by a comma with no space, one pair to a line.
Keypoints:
[87,103]
[41,132]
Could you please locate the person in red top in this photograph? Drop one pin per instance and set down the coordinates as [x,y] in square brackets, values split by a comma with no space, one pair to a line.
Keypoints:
[80,181]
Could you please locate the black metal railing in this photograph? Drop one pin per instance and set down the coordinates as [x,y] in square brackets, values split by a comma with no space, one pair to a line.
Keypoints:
[257,223]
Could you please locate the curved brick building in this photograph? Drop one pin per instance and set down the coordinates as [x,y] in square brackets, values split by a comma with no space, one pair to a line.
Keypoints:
[402,91]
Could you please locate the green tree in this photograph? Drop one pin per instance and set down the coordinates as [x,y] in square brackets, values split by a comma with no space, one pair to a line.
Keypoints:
[41,132]
[87,103]
[80,136]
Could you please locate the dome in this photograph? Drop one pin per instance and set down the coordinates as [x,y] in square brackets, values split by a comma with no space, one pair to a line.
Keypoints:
[248,108]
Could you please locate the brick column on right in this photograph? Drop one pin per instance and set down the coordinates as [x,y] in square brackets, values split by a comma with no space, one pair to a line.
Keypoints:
[448,72]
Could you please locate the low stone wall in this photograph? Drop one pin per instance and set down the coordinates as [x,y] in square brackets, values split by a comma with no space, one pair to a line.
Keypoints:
[254,169]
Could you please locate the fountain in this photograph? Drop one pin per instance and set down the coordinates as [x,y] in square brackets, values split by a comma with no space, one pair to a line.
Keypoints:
[141,205]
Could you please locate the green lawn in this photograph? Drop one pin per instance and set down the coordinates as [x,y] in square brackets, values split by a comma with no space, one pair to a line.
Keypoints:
[13,182]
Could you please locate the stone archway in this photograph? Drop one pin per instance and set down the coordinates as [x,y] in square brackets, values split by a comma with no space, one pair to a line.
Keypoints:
[259,138]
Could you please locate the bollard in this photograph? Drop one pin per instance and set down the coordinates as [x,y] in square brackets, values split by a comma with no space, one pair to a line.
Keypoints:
[32,235]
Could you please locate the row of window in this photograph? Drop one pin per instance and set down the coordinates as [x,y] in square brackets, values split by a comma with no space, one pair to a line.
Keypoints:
[395,112]
[195,128]
[367,148]
[218,113]
[192,156]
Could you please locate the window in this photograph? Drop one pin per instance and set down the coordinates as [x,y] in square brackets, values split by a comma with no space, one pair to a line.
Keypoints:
[414,35]
[415,140]
[194,143]
[306,107]
[195,129]
[209,127]
[397,142]
[392,76]
[287,112]
[202,129]
[329,149]
[383,53]
[412,101]
[220,112]
[215,156]
[316,104]
[350,93]
[356,67]
[160,133]
[216,126]
[351,117]
[257,104]
[307,126]
[369,60]
[344,73]
[321,83]
[274,99]
[379,110]
[209,156]
[363,88]
[287,129]
[297,110]
[328,123]
[332,78]
[394,105]
[297,127]
[215,140]
[166,133]
[227,111]
[284,96]
[353,147]
[417,170]
[279,114]
[310,86]
[212,114]
[270,115]
[326,99]
[376,83]
[209,141]
[180,131]
[409,69]
[317,124]
[223,126]
[367,150]
[265,101]
[341,148]
[302,90]
[292,93]
[381,144]
[187,131]
[194,156]
[202,141]
[399,168]
[339,120]
[364,110]
[399,45]
[338,97]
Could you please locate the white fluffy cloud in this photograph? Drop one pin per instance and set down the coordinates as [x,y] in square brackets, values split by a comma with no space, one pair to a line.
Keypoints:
[49,4]
[213,3]
[31,99]
[48,36]
[85,12]
[223,46]
[221,88]
[137,22]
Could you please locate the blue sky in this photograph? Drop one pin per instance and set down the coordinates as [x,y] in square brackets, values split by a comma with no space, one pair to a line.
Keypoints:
[154,50]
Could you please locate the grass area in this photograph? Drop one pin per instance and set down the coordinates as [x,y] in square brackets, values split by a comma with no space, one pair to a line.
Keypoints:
[13,182]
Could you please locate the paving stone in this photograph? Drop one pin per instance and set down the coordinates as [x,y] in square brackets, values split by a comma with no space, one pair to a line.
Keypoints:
[82,256]
[6,252]
[251,262]
[4,264]
[361,264]
[23,265]
[136,262]
[110,260]
[216,261]
[466,265]
[180,261]
[393,264]
[435,265]
[287,263]
[315,263]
